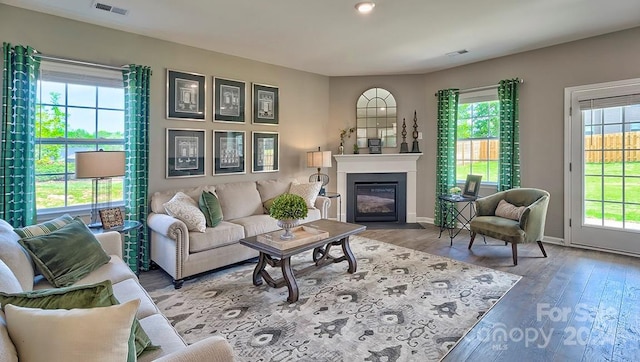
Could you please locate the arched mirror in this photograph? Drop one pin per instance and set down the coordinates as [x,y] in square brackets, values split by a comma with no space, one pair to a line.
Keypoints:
[376,117]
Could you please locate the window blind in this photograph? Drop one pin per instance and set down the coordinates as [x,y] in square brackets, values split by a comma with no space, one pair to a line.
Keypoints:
[76,74]
[608,102]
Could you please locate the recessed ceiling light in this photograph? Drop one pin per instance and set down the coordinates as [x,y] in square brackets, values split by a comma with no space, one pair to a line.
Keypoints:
[365,7]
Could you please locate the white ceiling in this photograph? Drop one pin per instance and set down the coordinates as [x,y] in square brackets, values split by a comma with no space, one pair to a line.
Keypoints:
[329,37]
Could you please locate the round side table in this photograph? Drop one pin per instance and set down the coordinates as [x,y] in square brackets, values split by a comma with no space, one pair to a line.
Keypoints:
[335,195]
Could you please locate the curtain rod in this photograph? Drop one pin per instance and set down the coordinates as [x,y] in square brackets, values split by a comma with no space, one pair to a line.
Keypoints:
[80,62]
[480,88]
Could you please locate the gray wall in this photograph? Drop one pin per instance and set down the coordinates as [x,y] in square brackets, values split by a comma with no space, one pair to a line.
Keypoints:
[314,108]
[304,97]
[546,73]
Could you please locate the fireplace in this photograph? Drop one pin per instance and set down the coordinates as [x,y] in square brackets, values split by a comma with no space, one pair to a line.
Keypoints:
[377,197]
[352,165]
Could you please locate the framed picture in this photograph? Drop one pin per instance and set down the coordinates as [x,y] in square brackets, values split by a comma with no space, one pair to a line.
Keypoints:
[185,152]
[375,145]
[266,152]
[472,186]
[228,152]
[186,94]
[111,218]
[229,100]
[265,104]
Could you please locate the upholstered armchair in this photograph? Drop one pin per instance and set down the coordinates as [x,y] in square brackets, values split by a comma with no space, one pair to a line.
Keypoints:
[520,218]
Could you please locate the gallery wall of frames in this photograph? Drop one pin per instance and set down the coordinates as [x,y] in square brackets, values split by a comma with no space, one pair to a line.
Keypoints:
[186,148]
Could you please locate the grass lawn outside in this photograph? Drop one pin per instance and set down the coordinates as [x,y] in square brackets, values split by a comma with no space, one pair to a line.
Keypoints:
[50,194]
[605,187]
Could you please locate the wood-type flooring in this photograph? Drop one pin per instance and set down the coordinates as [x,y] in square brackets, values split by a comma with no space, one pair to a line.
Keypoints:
[575,305]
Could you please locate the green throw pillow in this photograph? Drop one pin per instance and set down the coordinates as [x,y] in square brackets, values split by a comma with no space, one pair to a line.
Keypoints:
[80,296]
[45,227]
[210,207]
[66,255]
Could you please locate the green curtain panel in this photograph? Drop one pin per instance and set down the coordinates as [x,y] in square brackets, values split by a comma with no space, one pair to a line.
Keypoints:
[446,156]
[17,171]
[509,169]
[136,179]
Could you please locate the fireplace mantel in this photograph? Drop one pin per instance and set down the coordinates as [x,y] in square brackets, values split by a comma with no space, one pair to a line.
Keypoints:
[379,163]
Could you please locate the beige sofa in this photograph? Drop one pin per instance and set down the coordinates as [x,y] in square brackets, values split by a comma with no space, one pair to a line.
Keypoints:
[17,274]
[183,253]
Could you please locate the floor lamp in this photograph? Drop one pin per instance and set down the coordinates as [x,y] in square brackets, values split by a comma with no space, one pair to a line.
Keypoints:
[318,159]
[100,166]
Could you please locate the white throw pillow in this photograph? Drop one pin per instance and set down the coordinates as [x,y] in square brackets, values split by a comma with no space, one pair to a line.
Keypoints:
[184,208]
[94,334]
[509,211]
[309,192]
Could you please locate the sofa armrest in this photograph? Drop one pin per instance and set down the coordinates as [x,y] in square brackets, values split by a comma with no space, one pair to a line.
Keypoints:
[167,225]
[212,349]
[111,242]
[533,219]
[322,204]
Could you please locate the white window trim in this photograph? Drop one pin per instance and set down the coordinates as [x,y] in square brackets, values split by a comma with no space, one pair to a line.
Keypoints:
[612,88]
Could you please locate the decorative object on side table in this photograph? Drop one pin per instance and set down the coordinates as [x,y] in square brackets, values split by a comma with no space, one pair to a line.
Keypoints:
[111,218]
[404,148]
[100,166]
[345,132]
[318,159]
[455,190]
[288,209]
[415,148]
[472,185]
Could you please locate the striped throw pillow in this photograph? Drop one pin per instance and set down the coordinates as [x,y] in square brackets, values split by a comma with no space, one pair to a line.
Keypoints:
[45,227]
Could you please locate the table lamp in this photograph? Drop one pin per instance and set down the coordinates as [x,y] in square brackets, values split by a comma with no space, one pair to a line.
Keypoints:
[100,166]
[318,159]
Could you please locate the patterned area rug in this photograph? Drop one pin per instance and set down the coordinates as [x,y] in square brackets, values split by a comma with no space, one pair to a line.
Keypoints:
[400,305]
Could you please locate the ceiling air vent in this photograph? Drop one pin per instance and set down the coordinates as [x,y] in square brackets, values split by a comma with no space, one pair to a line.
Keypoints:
[457,52]
[110,8]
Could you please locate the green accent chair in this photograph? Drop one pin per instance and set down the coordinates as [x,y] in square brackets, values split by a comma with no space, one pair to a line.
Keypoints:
[528,229]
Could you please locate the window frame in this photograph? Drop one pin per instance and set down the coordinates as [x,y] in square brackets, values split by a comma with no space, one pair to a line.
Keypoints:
[474,97]
[67,74]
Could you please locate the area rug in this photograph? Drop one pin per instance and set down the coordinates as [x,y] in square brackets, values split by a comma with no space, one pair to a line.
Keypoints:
[400,305]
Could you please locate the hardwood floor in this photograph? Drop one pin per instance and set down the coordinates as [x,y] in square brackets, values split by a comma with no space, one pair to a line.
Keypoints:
[575,305]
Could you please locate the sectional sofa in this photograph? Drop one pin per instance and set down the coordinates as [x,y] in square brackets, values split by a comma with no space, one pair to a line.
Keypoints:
[18,275]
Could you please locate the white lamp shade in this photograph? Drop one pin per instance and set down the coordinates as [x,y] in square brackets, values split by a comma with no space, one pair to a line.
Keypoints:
[99,164]
[318,159]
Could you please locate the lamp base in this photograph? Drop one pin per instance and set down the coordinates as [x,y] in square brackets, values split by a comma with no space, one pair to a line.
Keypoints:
[320,177]
[95,225]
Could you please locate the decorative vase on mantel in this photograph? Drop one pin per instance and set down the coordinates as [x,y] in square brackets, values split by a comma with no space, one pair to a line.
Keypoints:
[341,149]
[287,225]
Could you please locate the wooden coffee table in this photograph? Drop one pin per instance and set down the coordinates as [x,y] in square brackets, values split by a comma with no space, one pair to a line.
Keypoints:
[275,257]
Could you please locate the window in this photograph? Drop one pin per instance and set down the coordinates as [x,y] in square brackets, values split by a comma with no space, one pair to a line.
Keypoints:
[78,109]
[478,136]
[611,161]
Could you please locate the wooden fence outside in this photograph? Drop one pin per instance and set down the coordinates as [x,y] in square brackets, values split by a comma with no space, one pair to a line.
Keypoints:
[478,149]
[614,148]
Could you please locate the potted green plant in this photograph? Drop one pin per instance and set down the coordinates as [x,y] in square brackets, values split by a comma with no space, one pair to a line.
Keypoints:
[345,132]
[288,209]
